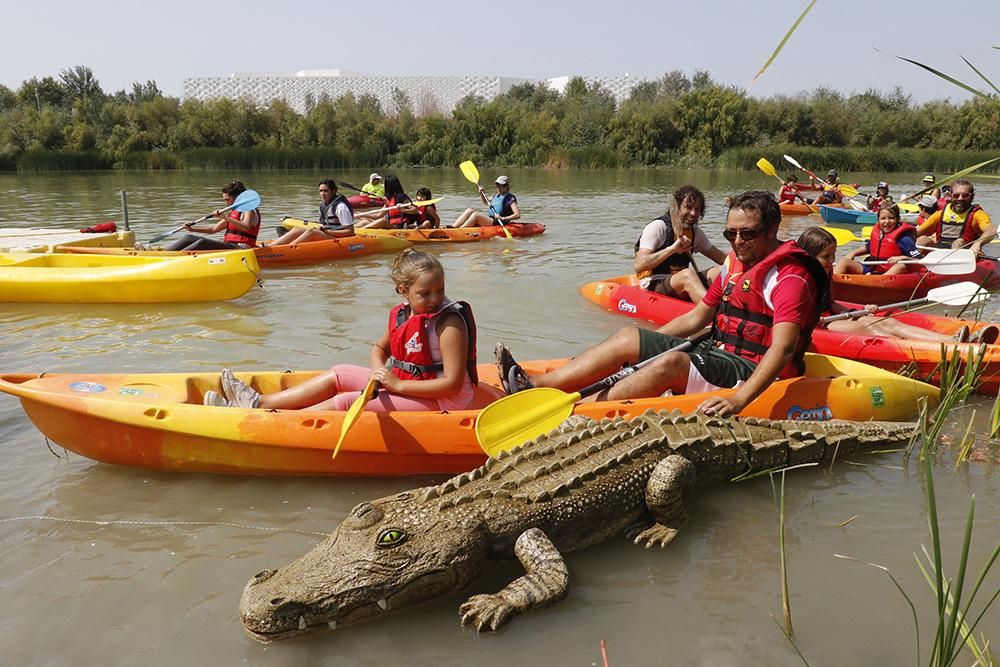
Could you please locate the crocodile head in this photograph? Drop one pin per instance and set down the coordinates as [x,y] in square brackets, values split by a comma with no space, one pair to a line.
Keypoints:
[387,554]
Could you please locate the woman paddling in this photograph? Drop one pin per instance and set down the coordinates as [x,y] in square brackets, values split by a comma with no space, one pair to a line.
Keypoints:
[241,228]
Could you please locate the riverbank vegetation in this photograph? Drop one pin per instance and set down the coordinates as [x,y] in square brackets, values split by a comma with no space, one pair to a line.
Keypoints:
[68,123]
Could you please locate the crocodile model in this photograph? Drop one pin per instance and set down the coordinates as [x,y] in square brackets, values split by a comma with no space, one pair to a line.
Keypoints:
[576,486]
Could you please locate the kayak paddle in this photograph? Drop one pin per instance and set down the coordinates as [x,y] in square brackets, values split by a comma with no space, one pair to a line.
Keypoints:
[248,200]
[842,236]
[524,416]
[472,175]
[765,166]
[959,294]
[353,413]
[848,190]
[944,262]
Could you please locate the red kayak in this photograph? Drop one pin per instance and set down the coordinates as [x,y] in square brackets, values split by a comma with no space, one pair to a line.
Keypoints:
[363,201]
[816,186]
[880,289]
[622,295]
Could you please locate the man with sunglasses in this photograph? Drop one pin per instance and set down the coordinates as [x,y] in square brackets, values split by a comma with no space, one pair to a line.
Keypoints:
[762,309]
[958,224]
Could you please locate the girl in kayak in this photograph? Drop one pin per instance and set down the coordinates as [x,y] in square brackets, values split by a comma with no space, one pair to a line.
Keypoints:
[503,207]
[425,360]
[820,243]
[891,240]
[241,228]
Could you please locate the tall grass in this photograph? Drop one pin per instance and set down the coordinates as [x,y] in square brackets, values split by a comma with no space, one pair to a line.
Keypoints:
[44,160]
[859,158]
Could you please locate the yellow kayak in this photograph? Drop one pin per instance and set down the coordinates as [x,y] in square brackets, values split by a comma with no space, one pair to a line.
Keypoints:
[62,278]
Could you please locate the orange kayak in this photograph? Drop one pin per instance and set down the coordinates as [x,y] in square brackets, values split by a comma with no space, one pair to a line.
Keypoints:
[803,209]
[880,289]
[624,296]
[311,252]
[439,235]
[156,421]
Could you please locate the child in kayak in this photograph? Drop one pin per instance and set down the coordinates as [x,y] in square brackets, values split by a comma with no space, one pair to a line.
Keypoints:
[425,360]
[891,240]
[820,244]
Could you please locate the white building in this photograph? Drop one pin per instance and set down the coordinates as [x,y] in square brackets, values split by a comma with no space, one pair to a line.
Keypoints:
[426,93]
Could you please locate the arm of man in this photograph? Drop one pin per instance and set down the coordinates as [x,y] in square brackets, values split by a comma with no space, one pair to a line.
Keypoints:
[928,225]
[690,322]
[987,230]
[646,259]
[784,338]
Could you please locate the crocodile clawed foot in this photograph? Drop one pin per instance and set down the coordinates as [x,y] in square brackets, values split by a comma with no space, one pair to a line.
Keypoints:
[656,535]
[487,612]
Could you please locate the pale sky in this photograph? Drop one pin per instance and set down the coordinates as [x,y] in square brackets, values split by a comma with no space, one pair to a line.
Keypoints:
[170,40]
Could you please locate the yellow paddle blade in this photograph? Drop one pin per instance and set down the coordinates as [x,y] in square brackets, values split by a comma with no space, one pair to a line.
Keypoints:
[520,417]
[353,413]
[841,236]
[469,171]
[767,168]
[908,208]
[849,190]
[866,233]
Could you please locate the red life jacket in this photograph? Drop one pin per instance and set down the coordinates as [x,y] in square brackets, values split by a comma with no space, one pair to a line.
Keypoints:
[744,321]
[396,216]
[884,247]
[787,195]
[875,204]
[968,234]
[236,235]
[409,346]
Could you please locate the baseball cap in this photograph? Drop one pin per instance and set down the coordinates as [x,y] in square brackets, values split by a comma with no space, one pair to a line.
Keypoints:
[882,184]
[374,176]
[929,178]
[928,201]
[502,180]
[832,172]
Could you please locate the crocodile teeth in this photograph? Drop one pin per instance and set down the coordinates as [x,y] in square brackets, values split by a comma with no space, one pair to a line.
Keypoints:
[302,623]
[333,625]
[382,604]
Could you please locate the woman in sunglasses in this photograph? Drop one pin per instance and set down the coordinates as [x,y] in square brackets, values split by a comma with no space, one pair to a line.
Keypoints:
[664,252]
[762,308]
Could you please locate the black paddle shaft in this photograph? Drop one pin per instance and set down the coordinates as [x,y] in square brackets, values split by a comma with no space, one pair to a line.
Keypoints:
[629,369]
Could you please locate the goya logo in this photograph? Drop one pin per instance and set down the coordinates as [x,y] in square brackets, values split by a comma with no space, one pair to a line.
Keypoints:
[820,413]
[88,387]
[627,307]
[355,246]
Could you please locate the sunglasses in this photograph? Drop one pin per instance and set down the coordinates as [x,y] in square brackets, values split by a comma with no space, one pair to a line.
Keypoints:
[745,234]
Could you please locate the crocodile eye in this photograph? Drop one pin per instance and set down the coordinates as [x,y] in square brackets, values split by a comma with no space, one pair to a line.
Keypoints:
[390,537]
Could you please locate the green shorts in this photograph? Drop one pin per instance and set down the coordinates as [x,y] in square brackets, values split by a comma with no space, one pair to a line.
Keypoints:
[716,366]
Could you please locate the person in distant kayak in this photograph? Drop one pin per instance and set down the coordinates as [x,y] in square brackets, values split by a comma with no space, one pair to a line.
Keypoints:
[335,215]
[880,197]
[891,240]
[962,223]
[928,190]
[397,211]
[425,360]
[663,253]
[374,186]
[945,197]
[927,206]
[241,228]
[820,244]
[503,207]
[762,308]
[788,192]
[427,216]
[831,190]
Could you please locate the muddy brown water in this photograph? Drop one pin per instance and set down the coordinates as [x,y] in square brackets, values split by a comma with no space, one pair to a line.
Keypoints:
[109,565]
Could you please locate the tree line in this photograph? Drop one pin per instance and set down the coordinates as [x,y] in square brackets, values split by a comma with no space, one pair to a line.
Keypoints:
[70,122]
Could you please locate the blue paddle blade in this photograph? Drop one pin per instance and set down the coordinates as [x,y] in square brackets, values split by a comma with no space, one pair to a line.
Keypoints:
[247,201]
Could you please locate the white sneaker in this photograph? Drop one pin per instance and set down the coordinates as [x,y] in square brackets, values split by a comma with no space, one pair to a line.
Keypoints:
[214,399]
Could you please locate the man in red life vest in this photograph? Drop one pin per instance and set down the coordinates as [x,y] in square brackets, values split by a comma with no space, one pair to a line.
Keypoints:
[762,308]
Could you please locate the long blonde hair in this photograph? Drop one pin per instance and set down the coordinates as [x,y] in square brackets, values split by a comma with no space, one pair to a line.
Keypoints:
[409,265]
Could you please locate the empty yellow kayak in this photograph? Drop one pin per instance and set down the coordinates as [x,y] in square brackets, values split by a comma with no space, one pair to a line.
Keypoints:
[61,278]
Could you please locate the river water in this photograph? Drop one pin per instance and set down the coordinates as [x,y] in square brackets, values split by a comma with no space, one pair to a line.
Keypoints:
[109,565]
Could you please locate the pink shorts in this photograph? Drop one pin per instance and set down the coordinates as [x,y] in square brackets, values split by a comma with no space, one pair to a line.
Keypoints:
[351,381]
